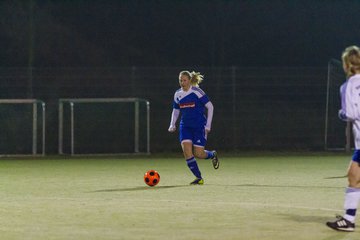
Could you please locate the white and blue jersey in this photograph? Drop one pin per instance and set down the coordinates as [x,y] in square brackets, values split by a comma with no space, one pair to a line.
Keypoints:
[350,98]
[350,108]
[191,104]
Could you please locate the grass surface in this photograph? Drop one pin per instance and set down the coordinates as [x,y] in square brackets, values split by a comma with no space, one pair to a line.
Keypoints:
[252,197]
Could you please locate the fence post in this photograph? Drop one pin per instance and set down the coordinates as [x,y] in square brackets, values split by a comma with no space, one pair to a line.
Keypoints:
[233,84]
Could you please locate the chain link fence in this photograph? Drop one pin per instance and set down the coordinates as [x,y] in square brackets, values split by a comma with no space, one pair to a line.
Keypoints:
[255,108]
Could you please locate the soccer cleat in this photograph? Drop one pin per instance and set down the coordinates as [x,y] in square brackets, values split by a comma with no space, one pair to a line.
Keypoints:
[197,181]
[341,224]
[215,160]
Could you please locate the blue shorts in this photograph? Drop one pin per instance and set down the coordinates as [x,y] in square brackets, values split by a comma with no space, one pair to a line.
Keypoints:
[196,135]
[356,156]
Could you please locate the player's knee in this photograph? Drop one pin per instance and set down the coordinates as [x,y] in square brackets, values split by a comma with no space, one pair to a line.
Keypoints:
[353,180]
[353,175]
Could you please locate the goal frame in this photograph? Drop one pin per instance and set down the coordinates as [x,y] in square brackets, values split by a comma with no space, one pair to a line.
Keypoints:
[73,101]
[34,103]
[348,127]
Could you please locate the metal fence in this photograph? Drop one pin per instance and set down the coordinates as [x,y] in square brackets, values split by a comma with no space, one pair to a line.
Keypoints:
[255,108]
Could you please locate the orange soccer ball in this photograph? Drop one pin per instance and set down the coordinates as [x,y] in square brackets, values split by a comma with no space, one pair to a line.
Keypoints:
[152,178]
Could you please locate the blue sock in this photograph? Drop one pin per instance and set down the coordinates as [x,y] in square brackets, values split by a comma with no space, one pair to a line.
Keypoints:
[210,154]
[191,162]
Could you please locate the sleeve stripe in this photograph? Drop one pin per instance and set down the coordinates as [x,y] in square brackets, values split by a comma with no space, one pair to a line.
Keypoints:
[199,90]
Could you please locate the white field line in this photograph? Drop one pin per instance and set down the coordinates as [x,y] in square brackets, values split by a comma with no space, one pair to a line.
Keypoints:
[248,204]
[237,203]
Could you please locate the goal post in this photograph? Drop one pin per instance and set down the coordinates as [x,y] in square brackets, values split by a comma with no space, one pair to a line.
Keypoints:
[337,133]
[104,126]
[23,127]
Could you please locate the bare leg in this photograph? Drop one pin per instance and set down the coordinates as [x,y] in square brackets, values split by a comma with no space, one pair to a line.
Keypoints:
[187,149]
[199,152]
[354,175]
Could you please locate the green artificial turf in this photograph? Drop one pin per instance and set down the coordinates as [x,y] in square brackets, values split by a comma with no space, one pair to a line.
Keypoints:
[248,197]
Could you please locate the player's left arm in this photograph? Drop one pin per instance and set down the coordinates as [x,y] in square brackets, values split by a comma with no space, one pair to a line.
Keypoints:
[210,113]
[210,109]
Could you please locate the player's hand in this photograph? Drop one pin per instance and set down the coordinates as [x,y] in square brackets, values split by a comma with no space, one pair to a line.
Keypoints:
[207,130]
[172,129]
[342,115]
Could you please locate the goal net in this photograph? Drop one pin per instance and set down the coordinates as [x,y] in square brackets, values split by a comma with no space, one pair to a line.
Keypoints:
[104,126]
[22,127]
[337,132]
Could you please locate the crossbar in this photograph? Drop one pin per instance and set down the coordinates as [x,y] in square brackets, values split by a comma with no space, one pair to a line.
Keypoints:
[99,100]
[72,101]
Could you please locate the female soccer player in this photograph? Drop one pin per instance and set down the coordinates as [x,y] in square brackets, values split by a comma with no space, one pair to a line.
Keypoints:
[191,102]
[350,111]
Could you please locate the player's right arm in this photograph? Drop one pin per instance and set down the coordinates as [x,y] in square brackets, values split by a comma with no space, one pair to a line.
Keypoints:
[342,110]
[174,117]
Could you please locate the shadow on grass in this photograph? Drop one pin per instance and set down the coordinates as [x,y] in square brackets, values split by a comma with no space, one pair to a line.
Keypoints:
[336,177]
[305,219]
[142,188]
[273,186]
[147,188]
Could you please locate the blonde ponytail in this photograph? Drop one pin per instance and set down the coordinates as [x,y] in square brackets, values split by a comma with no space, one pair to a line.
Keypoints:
[196,78]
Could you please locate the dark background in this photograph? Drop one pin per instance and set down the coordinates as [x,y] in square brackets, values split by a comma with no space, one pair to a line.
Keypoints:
[265,64]
[87,33]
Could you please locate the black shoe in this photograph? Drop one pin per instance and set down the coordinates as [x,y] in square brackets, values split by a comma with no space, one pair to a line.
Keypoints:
[197,181]
[215,160]
[341,224]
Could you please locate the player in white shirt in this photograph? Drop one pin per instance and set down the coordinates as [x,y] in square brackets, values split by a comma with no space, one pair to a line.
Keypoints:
[191,102]
[350,112]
